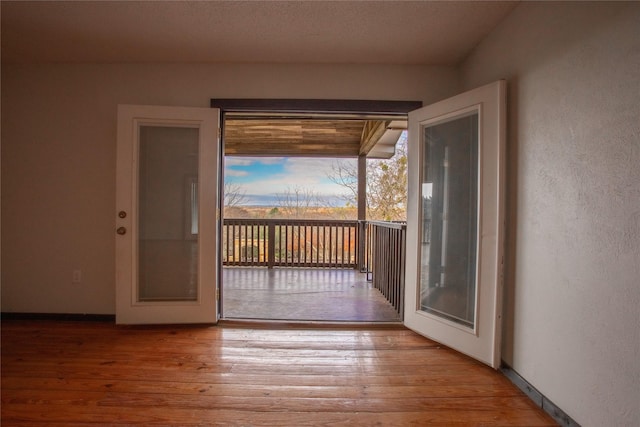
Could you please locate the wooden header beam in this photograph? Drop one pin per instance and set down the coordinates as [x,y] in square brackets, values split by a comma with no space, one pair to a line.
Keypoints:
[346,106]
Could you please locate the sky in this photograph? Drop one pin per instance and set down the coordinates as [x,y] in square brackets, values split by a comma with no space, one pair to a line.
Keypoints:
[263,178]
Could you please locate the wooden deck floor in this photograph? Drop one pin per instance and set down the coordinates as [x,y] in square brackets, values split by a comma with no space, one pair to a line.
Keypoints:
[303,294]
[66,374]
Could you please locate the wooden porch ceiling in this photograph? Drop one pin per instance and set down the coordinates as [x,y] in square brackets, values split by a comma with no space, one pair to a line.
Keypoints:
[304,137]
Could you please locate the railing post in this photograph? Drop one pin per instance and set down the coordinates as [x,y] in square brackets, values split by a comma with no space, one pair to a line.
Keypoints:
[271,244]
[361,243]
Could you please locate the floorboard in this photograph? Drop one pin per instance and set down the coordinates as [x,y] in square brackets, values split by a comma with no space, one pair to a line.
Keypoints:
[93,373]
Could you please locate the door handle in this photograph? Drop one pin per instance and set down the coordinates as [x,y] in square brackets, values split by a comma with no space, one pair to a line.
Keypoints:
[121,231]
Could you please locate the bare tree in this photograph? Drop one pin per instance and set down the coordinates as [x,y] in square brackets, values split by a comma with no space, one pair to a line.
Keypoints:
[234,195]
[345,174]
[386,184]
[296,202]
[234,198]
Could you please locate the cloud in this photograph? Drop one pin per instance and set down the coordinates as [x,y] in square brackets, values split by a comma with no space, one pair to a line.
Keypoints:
[233,172]
[248,161]
[269,160]
[310,171]
[297,172]
[238,161]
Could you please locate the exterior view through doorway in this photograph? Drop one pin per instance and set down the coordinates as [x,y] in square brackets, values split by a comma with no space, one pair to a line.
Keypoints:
[301,179]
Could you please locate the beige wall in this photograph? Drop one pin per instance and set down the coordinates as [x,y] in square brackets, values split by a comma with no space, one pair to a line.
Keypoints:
[58,156]
[573,280]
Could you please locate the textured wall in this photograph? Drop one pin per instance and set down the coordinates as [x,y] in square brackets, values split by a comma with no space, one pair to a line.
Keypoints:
[58,156]
[573,278]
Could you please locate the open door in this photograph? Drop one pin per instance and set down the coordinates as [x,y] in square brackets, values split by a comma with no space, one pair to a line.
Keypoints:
[455,222]
[166,204]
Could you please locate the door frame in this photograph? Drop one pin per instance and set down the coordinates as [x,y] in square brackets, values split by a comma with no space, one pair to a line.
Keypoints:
[297,108]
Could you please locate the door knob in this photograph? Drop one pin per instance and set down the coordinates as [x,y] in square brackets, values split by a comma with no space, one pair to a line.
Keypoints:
[121,231]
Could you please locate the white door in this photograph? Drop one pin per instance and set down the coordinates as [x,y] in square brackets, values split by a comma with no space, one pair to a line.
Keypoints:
[166,225]
[455,222]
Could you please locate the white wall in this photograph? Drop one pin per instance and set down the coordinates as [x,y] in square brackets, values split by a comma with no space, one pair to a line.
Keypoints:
[58,156]
[573,280]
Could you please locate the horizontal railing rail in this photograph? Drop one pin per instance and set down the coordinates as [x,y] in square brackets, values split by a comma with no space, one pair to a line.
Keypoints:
[290,243]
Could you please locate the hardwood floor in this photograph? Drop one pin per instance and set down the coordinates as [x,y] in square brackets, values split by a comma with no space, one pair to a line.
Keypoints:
[81,373]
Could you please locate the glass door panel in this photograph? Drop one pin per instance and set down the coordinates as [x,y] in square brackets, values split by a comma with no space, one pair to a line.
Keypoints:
[167,248]
[455,221]
[167,198]
[449,219]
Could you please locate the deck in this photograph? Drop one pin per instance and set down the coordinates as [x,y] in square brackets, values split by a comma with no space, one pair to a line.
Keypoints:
[308,270]
[303,294]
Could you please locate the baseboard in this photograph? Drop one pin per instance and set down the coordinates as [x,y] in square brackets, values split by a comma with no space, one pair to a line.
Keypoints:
[75,317]
[538,398]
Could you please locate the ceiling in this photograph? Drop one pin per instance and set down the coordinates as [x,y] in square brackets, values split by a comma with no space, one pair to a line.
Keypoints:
[375,32]
[311,137]
[313,31]
[330,137]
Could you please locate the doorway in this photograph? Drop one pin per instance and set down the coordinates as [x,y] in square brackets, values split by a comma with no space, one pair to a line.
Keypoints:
[473,329]
[297,258]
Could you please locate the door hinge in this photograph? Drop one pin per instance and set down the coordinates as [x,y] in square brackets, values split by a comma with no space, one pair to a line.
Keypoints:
[217,294]
[219,134]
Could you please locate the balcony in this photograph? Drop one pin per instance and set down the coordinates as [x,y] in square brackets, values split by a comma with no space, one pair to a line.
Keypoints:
[313,269]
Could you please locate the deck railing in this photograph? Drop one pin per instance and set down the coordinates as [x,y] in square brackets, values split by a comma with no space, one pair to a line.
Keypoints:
[384,258]
[290,243]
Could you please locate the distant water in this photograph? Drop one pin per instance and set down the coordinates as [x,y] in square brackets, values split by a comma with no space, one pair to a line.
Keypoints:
[272,200]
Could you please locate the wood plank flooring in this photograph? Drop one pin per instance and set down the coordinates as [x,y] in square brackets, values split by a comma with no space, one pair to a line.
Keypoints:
[81,373]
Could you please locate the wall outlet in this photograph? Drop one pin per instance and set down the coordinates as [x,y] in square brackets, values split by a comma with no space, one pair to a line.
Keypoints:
[76,276]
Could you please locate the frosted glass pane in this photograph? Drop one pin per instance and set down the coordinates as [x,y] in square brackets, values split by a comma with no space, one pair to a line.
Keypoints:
[449,220]
[167,246]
